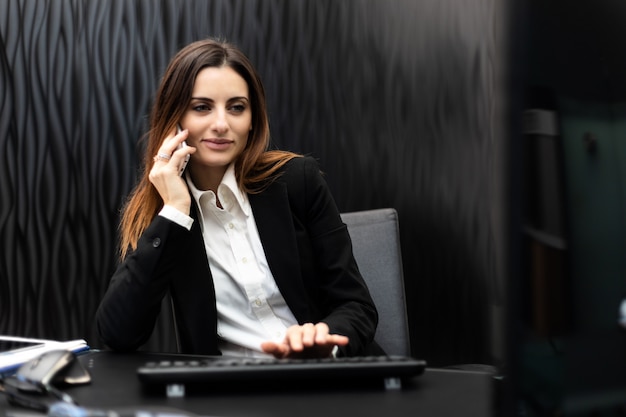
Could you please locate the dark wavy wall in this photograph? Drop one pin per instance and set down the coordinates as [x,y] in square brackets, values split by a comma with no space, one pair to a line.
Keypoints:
[402,102]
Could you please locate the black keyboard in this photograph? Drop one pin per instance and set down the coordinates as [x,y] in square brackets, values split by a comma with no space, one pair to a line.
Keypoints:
[222,370]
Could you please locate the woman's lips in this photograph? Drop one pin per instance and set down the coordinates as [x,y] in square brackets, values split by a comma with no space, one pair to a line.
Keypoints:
[217,143]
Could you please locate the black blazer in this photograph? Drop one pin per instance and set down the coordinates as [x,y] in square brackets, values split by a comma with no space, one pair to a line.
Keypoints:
[308,250]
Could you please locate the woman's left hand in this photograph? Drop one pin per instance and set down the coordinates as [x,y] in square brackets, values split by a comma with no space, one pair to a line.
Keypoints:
[306,341]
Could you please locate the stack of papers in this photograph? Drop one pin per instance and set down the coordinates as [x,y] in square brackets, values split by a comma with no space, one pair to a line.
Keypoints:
[21,349]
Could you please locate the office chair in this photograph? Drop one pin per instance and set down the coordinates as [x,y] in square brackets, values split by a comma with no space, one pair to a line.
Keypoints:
[375,238]
[376,246]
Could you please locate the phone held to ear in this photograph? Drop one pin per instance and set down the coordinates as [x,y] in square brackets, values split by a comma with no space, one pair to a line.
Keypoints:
[183,165]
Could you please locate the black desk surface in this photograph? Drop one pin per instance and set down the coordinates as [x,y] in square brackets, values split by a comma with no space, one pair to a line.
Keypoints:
[438,392]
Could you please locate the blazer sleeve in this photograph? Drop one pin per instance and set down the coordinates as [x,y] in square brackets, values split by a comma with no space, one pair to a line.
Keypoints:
[342,299]
[128,311]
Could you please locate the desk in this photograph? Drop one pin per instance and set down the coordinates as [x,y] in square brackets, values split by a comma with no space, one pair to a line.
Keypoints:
[437,392]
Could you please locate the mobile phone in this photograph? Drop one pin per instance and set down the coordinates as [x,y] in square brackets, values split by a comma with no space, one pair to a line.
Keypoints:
[183,165]
[54,366]
[42,369]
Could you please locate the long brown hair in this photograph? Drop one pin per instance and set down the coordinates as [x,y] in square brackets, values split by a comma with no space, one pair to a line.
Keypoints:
[254,167]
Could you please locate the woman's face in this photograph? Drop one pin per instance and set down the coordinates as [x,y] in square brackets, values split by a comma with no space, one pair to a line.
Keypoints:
[219,119]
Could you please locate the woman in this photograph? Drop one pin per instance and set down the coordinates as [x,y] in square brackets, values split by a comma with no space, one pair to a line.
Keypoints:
[248,241]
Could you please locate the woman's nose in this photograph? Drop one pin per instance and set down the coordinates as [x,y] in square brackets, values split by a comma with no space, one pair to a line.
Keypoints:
[220,124]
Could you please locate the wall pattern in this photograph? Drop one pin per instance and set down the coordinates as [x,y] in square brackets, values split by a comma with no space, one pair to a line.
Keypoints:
[402,102]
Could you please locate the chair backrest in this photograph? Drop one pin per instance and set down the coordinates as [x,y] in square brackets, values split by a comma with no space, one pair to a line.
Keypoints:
[376,246]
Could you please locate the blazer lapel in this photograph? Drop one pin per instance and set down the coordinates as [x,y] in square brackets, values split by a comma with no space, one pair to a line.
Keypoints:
[274,220]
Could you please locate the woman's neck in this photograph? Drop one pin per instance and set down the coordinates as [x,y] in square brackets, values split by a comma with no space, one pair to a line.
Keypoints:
[207,178]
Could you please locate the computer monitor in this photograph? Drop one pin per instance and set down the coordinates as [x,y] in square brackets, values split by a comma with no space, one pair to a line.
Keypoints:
[571,234]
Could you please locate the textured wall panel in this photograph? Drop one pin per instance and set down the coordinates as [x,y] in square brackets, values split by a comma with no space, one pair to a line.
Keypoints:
[398,99]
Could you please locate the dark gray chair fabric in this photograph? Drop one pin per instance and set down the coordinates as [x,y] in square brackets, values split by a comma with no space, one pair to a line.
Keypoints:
[376,245]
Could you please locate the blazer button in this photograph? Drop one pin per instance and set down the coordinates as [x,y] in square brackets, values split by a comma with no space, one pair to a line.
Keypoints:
[156,242]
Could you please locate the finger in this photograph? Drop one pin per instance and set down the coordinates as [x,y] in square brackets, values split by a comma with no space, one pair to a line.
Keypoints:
[175,160]
[336,339]
[162,157]
[179,137]
[269,347]
[321,333]
[275,349]
[180,154]
[293,338]
[308,334]
[173,141]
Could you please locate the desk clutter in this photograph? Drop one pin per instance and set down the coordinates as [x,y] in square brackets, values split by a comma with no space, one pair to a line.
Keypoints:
[116,388]
[38,382]
[32,369]
[174,375]
[15,351]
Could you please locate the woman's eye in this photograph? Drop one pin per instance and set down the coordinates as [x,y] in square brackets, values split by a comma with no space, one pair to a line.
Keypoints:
[201,107]
[238,108]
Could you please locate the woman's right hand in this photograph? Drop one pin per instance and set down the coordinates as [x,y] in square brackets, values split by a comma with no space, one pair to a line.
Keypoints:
[164,173]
